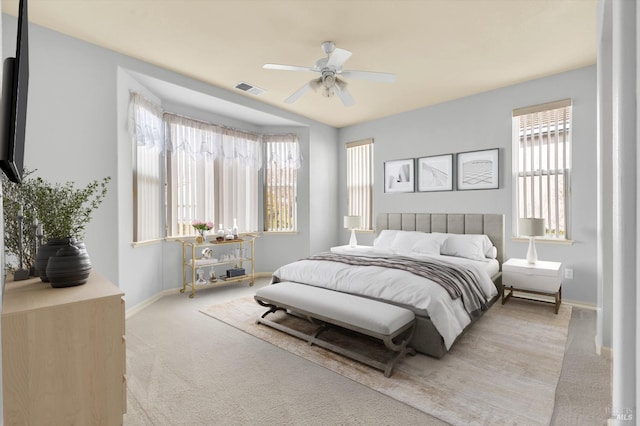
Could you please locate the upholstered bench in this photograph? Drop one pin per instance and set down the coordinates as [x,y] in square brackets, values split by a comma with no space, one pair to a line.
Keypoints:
[327,307]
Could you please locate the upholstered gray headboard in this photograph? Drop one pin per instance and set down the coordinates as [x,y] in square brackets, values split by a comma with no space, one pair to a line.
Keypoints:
[491,225]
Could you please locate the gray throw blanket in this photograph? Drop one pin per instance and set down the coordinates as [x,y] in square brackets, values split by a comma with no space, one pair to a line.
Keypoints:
[456,280]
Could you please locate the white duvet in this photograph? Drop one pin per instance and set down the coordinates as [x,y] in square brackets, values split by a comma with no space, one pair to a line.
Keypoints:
[426,297]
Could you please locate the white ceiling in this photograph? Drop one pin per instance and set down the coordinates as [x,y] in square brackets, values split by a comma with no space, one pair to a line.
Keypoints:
[438,49]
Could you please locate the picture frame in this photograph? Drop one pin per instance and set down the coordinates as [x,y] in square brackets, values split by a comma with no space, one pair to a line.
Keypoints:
[435,173]
[399,176]
[478,169]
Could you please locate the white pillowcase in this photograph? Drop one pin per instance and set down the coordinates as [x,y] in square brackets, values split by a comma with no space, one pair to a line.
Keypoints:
[470,246]
[405,240]
[385,238]
[492,253]
[429,244]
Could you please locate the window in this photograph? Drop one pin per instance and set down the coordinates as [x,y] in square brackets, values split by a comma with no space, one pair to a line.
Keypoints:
[542,166]
[191,167]
[188,170]
[146,130]
[283,159]
[212,175]
[360,181]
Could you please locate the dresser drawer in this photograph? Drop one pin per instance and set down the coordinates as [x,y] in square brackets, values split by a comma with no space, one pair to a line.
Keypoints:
[531,281]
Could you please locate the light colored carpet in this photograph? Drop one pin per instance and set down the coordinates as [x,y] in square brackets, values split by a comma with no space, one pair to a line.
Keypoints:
[504,370]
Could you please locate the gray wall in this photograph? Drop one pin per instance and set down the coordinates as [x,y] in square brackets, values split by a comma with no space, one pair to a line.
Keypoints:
[482,122]
[76,131]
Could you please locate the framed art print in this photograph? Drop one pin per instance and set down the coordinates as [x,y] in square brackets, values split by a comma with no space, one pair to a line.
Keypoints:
[399,176]
[435,173]
[478,169]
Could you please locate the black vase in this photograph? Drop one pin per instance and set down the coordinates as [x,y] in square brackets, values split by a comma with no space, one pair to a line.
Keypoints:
[69,267]
[47,250]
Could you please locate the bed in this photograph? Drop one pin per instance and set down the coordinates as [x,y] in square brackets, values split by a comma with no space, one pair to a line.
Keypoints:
[473,245]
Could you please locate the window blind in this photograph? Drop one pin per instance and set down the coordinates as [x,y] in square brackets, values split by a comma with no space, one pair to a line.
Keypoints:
[360,181]
[283,159]
[146,129]
[542,140]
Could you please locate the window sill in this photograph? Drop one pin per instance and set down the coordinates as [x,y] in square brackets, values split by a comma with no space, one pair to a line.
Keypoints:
[544,241]
[137,244]
[280,233]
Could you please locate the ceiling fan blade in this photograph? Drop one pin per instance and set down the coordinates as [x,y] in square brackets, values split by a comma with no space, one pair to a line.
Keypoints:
[298,93]
[285,67]
[382,77]
[338,57]
[343,93]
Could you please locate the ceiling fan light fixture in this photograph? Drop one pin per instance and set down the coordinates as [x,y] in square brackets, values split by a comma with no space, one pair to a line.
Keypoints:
[329,69]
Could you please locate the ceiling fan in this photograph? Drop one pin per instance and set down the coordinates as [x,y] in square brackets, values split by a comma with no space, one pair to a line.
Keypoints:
[330,68]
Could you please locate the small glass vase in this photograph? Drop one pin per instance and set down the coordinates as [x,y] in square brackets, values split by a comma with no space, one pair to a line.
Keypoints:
[200,238]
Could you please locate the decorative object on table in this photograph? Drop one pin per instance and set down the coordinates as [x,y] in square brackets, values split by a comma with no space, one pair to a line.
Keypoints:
[352,223]
[399,176]
[69,267]
[207,253]
[200,275]
[36,243]
[229,235]
[234,230]
[435,173]
[13,197]
[202,228]
[531,227]
[221,233]
[212,277]
[235,272]
[478,169]
[64,211]
[20,274]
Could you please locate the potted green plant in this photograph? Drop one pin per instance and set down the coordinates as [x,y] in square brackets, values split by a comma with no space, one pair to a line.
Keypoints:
[64,211]
[14,200]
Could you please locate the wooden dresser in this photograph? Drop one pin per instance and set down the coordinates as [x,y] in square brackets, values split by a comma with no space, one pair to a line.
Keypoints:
[63,353]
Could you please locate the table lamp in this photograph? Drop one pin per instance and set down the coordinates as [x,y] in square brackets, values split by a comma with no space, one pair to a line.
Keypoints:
[531,227]
[352,223]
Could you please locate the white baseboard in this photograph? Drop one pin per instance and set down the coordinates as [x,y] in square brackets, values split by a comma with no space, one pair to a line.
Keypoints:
[140,306]
[604,351]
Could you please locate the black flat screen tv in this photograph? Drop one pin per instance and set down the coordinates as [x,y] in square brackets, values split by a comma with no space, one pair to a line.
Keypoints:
[13,116]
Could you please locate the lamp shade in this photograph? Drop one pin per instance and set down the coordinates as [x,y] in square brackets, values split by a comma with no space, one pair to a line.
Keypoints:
[352,222]
[531,227]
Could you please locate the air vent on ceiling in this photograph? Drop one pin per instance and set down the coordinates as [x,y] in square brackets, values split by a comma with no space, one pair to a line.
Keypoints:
[246,87]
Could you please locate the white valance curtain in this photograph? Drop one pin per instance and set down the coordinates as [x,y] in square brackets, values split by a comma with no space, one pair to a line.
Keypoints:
[210,141]
[145,122]
[283,151]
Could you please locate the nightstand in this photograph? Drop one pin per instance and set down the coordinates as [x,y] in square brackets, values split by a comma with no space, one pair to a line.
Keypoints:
[541,278]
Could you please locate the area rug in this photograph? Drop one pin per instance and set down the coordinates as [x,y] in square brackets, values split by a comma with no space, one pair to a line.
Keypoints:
[502,371]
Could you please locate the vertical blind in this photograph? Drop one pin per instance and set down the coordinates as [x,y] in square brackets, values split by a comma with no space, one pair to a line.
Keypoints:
[360,181]
[146,129]
[212,175]
[542,140]
[283,158]
[191,167]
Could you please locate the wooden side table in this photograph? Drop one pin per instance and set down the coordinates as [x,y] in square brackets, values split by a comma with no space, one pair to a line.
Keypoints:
[542,278]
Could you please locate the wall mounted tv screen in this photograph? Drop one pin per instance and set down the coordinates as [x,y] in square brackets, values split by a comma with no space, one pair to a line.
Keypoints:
[15,84]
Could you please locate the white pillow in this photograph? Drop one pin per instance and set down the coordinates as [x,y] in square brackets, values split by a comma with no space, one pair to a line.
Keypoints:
[492,253]
[405,240]
[385,239]
[469,246]
[429,244]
